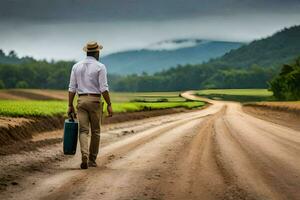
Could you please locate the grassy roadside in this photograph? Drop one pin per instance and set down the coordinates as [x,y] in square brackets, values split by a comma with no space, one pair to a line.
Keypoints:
[255,98]
[16,108]
[240,95]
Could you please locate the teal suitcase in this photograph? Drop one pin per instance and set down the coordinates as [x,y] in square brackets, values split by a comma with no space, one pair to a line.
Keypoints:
[70,136]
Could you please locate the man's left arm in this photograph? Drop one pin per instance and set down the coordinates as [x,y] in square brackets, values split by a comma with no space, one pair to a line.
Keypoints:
[71,108]
[72,91]
[104,90]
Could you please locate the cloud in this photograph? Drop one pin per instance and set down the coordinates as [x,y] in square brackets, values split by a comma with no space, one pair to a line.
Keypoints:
[173,44]
[59,28]
[127,10]
[65,40]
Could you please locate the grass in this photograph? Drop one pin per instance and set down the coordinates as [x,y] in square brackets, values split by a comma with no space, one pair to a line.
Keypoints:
[241,95]
[145,96]
[141,106]
[17,108]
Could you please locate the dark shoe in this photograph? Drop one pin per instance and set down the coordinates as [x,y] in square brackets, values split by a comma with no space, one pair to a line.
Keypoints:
[84,164]
[92,163]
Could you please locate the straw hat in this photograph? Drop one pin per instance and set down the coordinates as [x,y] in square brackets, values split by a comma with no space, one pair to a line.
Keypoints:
[92,47]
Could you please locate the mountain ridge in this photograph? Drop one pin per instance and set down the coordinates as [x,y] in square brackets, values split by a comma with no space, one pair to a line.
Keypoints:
[251,66]
[272,51]
[151,61]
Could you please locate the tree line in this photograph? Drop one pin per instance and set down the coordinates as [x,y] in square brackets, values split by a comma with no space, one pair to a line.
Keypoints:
[196,77]
[285,84]
[35,74]
[55,75]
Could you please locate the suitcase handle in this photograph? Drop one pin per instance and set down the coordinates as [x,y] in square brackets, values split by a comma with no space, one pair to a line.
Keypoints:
[72,116]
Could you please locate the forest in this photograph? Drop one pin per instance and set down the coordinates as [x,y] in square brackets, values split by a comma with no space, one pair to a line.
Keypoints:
[286,86]
[55,75]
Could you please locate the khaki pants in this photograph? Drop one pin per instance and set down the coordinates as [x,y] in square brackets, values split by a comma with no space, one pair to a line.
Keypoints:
[89,111]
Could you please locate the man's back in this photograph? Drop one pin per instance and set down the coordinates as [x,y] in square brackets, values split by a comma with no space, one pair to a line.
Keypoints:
[88,76]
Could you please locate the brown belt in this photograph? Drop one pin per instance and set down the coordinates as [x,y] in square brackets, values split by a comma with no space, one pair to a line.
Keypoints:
[94,95]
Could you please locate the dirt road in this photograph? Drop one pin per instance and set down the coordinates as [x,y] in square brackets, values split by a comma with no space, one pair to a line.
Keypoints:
[216,153]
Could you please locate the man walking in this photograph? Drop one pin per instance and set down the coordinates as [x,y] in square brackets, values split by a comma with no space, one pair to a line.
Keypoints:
[89,80]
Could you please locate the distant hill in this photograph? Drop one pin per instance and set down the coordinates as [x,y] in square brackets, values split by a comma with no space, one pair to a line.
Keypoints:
[250,66]
[273,51]
[166,54]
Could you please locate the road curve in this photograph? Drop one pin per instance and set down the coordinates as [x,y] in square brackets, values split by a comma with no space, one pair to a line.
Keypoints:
[216,153]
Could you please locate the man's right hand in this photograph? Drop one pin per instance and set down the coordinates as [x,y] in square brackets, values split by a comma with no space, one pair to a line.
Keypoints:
[107,100]
[71,110]
[109,110]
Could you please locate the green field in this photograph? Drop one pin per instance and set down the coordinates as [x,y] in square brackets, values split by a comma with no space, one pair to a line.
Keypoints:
[241,95]
[145,96]
[122,102]
[16,108]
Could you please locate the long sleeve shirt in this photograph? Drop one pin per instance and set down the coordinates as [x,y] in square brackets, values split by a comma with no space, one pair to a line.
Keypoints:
[88,77]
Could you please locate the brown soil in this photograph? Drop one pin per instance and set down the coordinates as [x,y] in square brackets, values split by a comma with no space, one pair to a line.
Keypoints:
[19,129]
[6,122]
[6,96]
[51,94]
[33,94]
[276,115]
[288,107]
[28,94]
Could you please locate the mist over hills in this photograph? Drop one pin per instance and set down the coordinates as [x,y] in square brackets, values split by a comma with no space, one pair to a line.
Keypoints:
[166,54]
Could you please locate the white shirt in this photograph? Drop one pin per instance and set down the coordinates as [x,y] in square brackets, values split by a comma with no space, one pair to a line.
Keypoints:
[88,77]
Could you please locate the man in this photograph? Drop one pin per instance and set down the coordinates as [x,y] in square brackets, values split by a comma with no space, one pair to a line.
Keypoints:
[89,80]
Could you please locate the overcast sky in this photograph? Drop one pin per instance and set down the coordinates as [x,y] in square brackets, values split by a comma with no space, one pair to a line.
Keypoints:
[59,28]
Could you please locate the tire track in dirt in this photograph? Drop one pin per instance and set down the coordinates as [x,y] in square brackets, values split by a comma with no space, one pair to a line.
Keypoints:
[290,139]
[238,166]
[278,164]
[196,166]
[203,172]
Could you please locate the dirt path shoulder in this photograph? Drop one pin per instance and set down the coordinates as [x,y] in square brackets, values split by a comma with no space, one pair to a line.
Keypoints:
[277,116]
